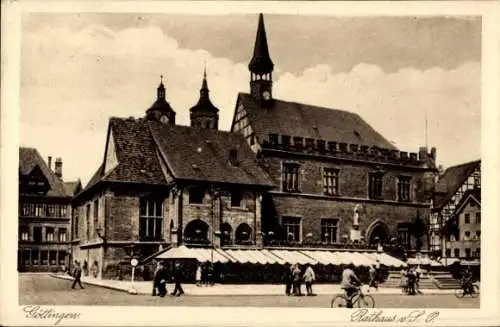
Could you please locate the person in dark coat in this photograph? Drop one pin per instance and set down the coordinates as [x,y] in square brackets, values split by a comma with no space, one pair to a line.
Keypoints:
[77,273]
[178,291]
[288,279]
[297,280]
[160,280]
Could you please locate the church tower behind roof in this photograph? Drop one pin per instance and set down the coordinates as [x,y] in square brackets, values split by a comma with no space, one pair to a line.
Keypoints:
[261,67]
[204,114]
[161,110]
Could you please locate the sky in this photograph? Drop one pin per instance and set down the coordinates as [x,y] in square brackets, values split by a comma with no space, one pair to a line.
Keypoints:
[80,69]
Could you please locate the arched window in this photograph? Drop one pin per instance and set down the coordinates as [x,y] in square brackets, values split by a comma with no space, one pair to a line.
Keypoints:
[243,234]
[196,231]
[226,231]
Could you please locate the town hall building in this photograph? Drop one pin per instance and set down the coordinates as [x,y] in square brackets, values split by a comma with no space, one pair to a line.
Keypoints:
[336,179]
[287,175]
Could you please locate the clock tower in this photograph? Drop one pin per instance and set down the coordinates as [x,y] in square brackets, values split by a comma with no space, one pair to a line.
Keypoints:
[261,67]
[161,110]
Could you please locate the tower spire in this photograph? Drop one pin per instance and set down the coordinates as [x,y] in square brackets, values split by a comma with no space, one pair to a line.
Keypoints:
[204,84]
[160,91]
[204,114]
[261,61]
[261,67]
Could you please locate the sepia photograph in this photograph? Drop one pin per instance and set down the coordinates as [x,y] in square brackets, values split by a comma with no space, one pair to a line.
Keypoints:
[256,158]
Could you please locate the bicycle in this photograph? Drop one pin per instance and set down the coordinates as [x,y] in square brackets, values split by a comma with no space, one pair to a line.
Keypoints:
[473,291]
[358,300]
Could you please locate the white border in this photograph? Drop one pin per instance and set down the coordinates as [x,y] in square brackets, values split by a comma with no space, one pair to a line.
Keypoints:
[11,313]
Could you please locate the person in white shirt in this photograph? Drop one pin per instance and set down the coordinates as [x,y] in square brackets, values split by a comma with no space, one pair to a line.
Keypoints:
[309,278]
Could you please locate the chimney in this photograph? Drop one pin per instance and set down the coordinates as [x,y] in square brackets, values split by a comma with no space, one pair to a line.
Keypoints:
[58,167]
[50,162]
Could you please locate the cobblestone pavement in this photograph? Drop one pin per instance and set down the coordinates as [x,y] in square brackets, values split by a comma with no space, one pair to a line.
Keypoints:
[46,290]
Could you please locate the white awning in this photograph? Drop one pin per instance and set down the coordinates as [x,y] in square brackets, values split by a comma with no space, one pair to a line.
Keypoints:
[387,260]
[448,261]
[200,254]
[294,257]
[323,257]
[423,261]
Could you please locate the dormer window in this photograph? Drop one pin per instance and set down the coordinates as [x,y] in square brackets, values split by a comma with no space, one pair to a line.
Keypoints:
[233,157]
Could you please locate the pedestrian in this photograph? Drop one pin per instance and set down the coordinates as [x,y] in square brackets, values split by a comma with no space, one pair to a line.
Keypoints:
[160,280]
[178,291]
[373,277]
[411,281]
[77,274]
[404,282]
[210,274]
[418,274]
[198,275]
[296,280]
[155,281]
[309,278]
[288,279]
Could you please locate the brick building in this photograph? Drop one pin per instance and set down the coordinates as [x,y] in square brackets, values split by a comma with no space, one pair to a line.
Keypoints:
[163,184]
[456,187]
[44,213]
[336,179]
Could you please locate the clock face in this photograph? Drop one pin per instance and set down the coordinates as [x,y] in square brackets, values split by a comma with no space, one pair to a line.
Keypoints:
[266,95]
[164,119]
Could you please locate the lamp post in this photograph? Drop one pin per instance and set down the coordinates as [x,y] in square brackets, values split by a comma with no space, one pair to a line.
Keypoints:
[132,289]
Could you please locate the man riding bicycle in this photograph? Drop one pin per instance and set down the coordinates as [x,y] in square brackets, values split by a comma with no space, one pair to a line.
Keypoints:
[350,283]
[467,281]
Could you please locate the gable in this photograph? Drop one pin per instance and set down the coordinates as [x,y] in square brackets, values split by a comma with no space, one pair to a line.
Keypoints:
[241,124]
[111,160]
[455,182]
[34,182]
[32,165]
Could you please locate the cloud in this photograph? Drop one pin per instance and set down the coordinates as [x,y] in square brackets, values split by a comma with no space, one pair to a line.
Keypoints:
[72,81]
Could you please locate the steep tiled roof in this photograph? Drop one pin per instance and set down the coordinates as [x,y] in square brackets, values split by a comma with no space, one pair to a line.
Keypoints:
[72,188]
[203,154]
[451,180]
[297,119]
[29,158]
[136,154]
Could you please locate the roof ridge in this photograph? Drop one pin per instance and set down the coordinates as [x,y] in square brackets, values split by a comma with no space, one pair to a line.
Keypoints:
[308,104]
[465,164]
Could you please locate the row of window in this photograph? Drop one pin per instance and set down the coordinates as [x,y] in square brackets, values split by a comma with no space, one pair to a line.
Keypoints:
[467,219]
[292,228]
[36,257]
[467,253]
[50,236]
[467,236]
[42,210]
[291,182]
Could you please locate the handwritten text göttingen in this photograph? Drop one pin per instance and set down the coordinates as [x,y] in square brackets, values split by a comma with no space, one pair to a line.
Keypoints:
[35,312]
[416,316]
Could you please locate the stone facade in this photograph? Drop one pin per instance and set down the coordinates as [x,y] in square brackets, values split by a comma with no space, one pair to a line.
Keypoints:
[311,205]
[104,241]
